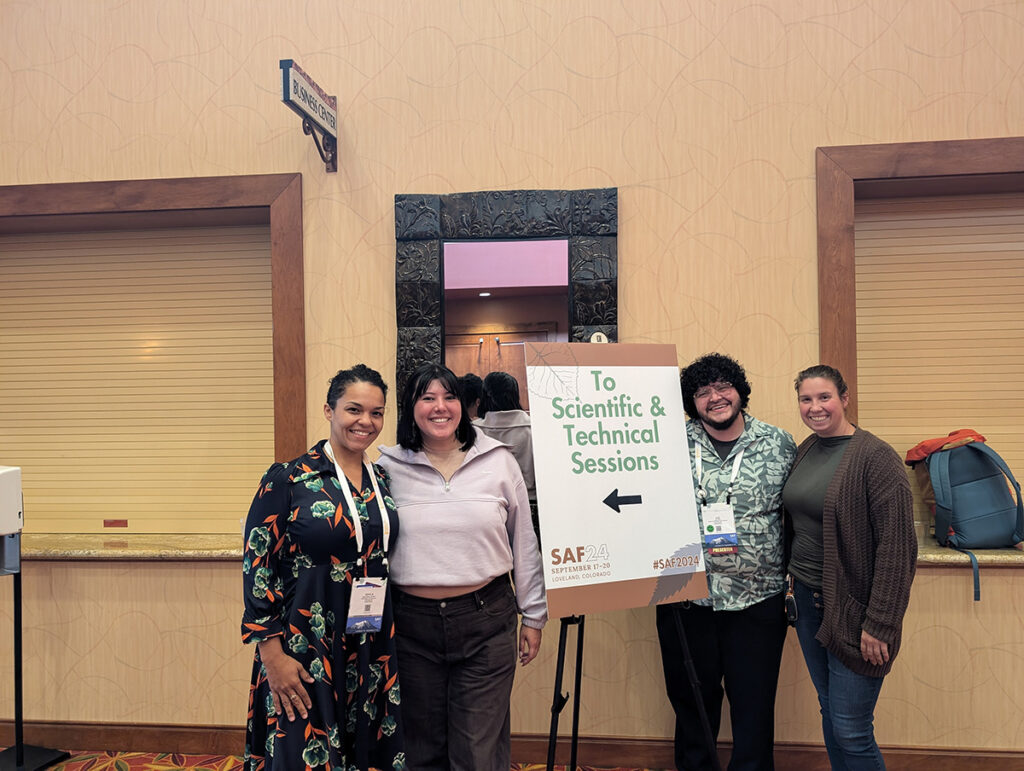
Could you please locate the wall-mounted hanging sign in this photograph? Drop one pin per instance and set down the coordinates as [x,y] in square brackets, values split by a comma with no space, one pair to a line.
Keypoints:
[319,112]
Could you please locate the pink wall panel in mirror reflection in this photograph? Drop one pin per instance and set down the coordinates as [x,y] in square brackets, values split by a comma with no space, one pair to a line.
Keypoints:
[498,264]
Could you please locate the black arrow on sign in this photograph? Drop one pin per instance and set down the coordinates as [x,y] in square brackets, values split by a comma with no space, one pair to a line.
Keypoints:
[614,500]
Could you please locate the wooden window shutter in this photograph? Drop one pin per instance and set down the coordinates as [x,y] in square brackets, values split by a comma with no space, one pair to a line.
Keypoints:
[136,377]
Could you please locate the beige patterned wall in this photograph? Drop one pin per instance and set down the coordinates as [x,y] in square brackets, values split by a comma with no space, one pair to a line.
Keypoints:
[704,115]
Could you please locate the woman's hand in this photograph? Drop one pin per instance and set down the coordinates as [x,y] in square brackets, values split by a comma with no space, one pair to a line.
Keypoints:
[873,650]
[529,644]
[285,676]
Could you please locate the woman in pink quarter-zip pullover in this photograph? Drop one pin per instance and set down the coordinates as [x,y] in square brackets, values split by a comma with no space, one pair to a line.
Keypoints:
[466,530]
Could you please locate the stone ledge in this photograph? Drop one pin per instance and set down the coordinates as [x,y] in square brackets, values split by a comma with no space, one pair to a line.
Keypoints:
[103,546]
[930,553]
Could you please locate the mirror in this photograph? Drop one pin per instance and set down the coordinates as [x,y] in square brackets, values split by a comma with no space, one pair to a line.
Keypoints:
[586,220]
[498,295]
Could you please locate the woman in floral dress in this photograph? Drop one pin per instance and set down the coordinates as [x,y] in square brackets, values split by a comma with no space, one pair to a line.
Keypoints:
[322,697]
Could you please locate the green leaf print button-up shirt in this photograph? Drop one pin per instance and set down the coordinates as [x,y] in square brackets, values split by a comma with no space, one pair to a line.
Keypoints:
[756,572]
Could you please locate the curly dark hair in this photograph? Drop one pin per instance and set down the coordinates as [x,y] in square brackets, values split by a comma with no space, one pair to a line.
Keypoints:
[712,368]
[408,433]
[360,373]
[825,371]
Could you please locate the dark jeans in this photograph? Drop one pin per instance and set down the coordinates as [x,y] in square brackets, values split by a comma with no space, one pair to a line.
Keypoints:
[847,699]
[743,648]
[457,658]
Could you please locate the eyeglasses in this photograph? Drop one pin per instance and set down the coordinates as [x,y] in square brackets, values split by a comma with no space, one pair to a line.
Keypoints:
[720,387]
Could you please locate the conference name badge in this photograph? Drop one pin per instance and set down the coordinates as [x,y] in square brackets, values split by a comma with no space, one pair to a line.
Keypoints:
[719,528]
[366,607]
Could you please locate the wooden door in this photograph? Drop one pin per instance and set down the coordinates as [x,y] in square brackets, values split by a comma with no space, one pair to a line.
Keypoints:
[490,350]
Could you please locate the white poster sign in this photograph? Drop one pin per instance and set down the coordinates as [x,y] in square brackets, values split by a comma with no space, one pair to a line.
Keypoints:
[618,517]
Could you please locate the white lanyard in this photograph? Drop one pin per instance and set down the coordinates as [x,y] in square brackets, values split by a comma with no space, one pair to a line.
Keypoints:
[700,474]
[353,511]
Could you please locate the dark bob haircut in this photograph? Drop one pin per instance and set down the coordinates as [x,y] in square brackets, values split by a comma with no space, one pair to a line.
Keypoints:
[708,369]
[360,373]
[471,386]
[825,371]
[501,392]
[408,433]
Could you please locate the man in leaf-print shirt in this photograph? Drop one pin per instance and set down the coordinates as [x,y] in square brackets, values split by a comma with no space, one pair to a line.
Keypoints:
[736,635]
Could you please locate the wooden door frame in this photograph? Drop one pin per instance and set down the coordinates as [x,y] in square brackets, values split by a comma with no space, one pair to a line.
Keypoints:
[264,199]
[849,173]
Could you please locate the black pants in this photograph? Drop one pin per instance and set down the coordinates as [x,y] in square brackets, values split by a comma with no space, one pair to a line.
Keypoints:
[458,659]
[743,648]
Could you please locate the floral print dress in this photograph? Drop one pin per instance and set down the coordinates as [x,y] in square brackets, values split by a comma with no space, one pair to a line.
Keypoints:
[299,561]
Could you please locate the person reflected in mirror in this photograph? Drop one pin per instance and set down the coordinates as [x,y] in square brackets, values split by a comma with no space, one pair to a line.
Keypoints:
[324,691]
[466,527]
[502,417]
[735,635]
[854,553]
[471,389]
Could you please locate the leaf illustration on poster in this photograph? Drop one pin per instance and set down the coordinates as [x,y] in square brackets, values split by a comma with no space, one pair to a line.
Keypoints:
[670,584]
[555,382]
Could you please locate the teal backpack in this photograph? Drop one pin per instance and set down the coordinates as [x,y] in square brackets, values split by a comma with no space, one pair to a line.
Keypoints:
[973,505]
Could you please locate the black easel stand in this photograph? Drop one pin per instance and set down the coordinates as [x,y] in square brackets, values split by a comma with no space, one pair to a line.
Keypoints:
[709,738]
[560,699]
[23,757]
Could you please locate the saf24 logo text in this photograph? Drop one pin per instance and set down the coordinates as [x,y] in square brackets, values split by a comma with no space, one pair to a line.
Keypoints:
[579,554]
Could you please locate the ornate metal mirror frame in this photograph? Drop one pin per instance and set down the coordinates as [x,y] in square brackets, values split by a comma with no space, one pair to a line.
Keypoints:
[587,218]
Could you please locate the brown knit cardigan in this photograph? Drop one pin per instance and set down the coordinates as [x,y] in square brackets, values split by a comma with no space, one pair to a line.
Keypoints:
[870,550]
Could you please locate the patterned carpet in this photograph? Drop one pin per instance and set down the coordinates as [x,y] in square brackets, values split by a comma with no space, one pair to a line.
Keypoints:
[165,761]
[147,761]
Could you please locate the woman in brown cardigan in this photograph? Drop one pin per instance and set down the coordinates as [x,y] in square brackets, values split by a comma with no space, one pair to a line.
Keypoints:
[853,557]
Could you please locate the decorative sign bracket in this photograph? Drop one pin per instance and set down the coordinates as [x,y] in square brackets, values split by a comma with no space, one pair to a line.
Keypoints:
[328,150]
[319,112]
